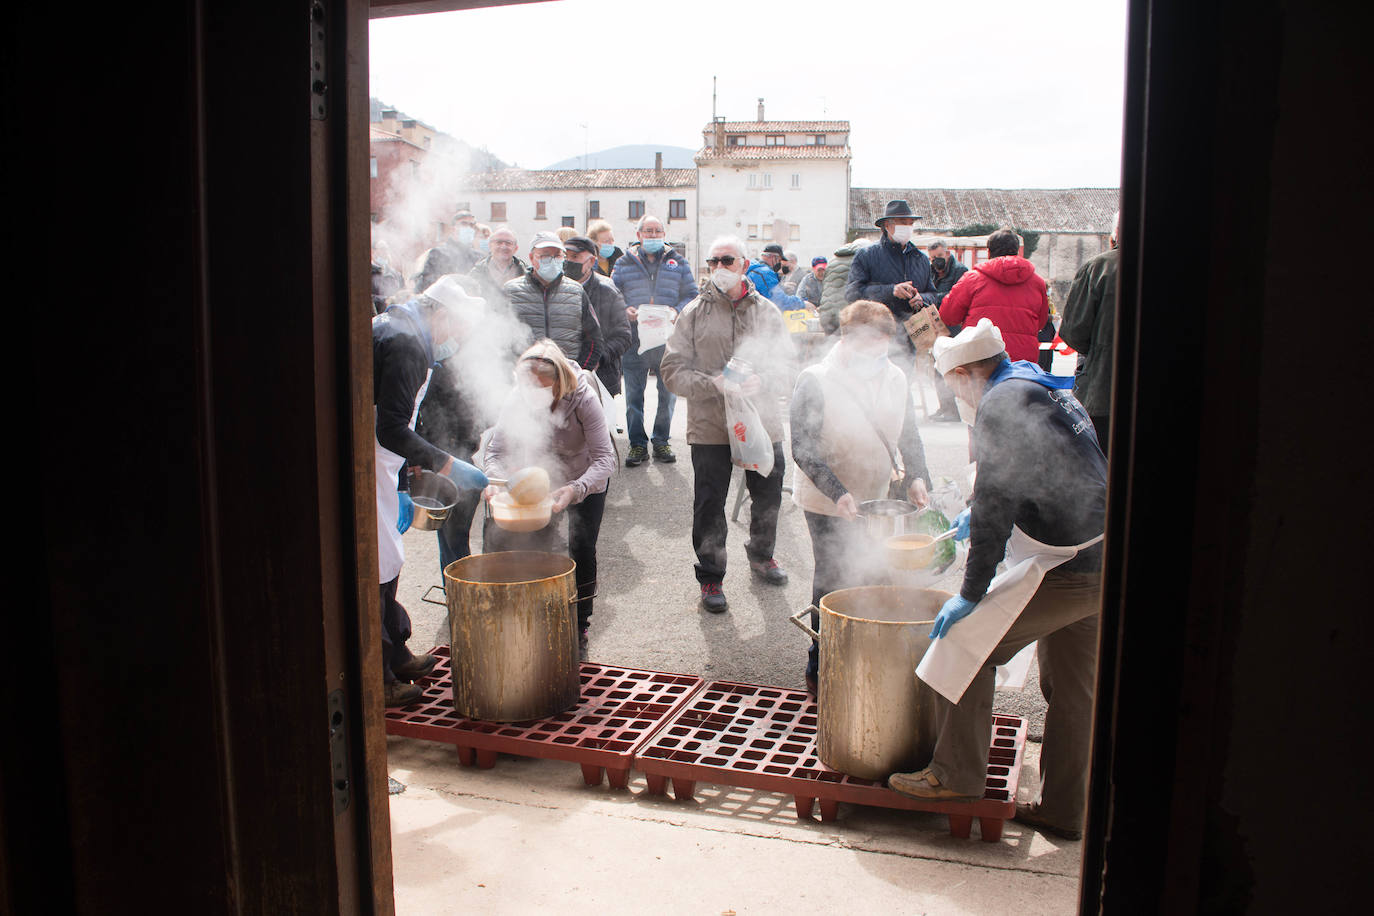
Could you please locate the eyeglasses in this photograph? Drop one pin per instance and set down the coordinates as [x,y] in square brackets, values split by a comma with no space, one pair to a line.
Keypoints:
[727,260]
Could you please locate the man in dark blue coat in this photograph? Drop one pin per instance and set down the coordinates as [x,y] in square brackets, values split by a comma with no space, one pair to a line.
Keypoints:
[896,273]
[650,273]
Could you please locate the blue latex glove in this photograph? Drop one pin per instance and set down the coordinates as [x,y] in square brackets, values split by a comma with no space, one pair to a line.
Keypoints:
[407,513]
[961,521]
[466,476]
[955,610]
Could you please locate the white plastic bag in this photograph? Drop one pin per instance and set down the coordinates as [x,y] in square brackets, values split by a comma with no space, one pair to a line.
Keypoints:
[655,324]
[750,446]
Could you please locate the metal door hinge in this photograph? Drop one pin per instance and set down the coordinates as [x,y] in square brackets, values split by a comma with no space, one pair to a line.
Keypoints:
[338,752]
[318,86]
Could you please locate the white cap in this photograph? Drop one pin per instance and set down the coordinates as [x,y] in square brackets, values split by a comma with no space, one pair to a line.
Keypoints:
[547,239]
[968,346]
[449,292]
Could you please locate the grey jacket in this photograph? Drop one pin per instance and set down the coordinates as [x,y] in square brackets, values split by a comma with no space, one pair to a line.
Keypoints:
[562,312]
[709,331]
[615,329]
[832,287]
[1088,326]
[573,444]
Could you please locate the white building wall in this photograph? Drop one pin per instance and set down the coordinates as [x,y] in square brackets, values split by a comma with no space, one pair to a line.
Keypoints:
[818,204]
[615,208]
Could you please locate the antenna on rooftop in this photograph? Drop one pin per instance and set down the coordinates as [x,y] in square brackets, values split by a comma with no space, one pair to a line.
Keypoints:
[713,98]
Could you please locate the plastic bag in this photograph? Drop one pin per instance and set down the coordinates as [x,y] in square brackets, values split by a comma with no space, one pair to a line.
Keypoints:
[655,324]
[750,446]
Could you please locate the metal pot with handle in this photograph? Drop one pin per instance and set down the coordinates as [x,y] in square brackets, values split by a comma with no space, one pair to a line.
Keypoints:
[883,518]
[433,495]
[875,717]
[513,632]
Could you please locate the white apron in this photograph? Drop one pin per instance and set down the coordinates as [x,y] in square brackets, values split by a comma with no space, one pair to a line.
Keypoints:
[953,660]
[391,552]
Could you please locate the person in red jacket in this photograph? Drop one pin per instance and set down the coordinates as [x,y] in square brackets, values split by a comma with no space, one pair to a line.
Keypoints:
[1006,290]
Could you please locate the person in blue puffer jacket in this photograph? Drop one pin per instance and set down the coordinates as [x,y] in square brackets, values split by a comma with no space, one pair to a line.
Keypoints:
[650,273]
[763,273]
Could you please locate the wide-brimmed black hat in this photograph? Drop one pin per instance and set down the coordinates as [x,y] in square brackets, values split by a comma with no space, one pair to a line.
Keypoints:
[774,249]
[899,208]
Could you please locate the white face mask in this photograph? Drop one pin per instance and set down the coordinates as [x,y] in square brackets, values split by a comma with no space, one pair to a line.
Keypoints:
[901,234]
[725,280]
[536,397]
[967,412]
[446,349]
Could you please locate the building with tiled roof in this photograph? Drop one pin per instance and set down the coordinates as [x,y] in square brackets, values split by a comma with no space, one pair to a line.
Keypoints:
[581,179]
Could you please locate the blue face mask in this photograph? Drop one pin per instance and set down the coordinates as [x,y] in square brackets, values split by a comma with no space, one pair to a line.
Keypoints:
[607,250]
[466,234]
[652,246]
[484,245]
[446,349]
[550,269]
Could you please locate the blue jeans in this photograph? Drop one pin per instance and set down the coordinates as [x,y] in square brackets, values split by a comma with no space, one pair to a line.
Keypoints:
[636,367]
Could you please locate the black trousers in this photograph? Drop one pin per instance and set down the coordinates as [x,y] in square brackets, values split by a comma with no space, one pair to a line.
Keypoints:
[843,558]
[583,528]
[395,631]
[1102,424]
[453,534]
[711,471]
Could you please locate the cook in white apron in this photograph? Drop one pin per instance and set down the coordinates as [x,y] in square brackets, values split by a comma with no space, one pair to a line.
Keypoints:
[953,660]
[390,546]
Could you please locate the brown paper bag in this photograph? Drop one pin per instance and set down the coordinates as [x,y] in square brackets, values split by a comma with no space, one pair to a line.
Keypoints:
[924,327]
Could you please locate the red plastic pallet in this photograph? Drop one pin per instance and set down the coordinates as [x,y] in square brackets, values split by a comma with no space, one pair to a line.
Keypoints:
[765,738]
[620,707]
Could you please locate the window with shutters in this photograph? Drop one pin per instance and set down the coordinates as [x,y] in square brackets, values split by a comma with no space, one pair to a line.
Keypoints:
[498,211]
[796,181]
[569,221]
[677,209]
[636,209]
[773,140]
[539,212]
[593,209]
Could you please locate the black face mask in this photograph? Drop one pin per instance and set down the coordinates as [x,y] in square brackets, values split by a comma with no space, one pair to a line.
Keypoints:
[572,270]
[939,263]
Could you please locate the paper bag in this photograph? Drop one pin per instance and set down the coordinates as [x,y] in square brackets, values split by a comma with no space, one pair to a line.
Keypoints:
[924,327]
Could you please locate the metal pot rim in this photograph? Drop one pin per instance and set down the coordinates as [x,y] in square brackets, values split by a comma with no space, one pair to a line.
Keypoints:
[540,553]
[892,623]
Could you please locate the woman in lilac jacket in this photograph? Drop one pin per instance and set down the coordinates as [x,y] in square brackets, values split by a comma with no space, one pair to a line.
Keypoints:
[554,419]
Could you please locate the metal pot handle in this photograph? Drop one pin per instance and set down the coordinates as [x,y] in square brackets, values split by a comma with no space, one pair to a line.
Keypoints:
[806,628]
[442,602]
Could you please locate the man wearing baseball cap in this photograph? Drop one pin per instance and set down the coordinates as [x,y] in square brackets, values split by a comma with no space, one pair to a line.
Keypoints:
[1040,500]
[763,273]
[810,286]
[554,306]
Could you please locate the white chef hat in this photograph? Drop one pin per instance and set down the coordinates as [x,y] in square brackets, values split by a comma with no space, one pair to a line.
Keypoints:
[968,346]
[448,292]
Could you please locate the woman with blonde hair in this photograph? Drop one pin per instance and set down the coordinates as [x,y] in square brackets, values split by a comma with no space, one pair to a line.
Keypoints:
[603,236]
[852,417]
[554,419]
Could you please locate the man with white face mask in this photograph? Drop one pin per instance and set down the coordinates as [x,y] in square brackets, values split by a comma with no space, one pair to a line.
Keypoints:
[896,273]
[456,255]
[555,307]
[729,319]
[1039,500]
[852,416]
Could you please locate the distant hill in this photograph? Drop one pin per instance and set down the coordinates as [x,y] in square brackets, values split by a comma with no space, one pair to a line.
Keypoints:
[639,156]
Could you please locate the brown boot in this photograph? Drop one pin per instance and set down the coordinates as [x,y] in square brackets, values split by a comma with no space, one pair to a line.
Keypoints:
[414,668]
[399,693]
[925,784]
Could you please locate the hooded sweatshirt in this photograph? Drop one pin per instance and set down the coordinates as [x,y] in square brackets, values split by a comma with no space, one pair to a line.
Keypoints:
[1008,292]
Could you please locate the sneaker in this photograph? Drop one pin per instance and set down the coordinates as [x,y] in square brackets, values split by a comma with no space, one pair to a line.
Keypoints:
[925,784]
[415,668]
[712,598]
[1031,817]
[637,456]
[945,416]
[769,571]
[399,693]
[664,453]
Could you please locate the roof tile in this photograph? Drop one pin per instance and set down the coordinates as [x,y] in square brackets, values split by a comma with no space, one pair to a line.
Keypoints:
[1037,209]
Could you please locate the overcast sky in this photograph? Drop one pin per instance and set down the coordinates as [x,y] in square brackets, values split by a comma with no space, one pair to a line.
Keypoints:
[995,94]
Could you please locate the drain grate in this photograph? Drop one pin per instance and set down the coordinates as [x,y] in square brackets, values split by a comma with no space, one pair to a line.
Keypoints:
[765,738]
[620,707]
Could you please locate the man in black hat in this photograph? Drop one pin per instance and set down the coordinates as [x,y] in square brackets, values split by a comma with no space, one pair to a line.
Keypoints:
[896,273]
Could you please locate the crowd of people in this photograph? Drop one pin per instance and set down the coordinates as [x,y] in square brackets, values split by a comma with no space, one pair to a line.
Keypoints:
[492,359]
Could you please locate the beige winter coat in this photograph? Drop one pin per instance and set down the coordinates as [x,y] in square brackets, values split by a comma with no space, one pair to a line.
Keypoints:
[709,331]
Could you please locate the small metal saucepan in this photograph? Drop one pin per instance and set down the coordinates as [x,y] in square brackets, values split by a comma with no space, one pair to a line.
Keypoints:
[884,518]
[433,495]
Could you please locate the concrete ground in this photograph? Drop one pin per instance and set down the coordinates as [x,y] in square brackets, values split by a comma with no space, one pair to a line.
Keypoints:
[527,835]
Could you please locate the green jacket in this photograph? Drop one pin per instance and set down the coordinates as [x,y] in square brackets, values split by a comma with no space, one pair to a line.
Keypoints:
[1088,326]
[832,287]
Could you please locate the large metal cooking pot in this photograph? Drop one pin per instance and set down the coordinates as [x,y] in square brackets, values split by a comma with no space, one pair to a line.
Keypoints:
[883,518]
[875,717]
[513,631]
